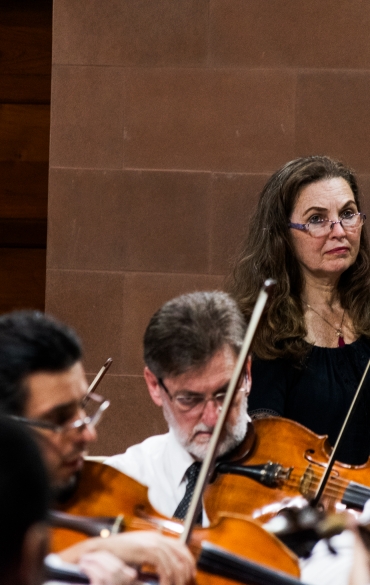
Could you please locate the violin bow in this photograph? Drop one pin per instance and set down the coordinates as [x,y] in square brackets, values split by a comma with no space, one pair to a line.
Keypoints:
[326,474]
[209,460]
[99,376]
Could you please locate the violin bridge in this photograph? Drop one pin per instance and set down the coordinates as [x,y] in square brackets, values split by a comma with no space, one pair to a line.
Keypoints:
[306,482]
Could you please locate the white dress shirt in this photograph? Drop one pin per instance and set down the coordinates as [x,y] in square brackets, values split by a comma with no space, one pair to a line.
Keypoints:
[325,568]
[159,463]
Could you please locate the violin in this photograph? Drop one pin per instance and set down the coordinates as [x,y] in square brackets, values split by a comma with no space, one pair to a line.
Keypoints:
[235,548]
[282,463]
[289,461]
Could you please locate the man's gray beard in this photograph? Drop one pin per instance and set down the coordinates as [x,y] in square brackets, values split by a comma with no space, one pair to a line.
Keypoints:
[234,435]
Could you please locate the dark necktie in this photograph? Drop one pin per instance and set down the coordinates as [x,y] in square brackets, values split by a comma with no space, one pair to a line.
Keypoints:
[192,475]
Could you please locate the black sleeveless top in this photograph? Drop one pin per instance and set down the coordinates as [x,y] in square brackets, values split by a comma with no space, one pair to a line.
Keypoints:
[318,394]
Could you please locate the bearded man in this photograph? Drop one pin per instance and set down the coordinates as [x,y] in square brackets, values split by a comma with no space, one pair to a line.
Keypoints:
[191,346]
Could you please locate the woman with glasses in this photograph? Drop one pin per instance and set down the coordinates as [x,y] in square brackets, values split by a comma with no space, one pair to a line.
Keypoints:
[314,341]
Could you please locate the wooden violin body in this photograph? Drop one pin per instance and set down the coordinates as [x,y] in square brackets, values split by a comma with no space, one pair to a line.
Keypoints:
[104,491]
[298,457]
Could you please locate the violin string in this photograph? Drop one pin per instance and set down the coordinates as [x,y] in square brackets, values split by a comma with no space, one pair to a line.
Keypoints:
[334,487]
[342,482]
[337,484]
[354,494]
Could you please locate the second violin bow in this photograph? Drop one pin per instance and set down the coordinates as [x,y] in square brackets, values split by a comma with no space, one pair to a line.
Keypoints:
[207,465]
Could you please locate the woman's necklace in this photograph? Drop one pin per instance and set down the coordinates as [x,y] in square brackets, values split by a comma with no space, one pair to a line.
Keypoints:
[339,332]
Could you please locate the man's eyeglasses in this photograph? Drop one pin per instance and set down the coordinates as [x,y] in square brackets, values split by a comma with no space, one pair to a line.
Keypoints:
[322,227]
[186,401]
[100,406]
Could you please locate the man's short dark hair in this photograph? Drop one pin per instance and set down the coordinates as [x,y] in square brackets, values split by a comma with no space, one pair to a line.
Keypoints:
[24,492]
[31,342]
[188,330]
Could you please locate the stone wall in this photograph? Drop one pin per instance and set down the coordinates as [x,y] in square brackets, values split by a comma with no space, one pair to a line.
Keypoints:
[167,117]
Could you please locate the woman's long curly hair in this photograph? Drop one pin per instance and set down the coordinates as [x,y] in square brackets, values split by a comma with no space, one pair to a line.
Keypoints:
[268,253]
